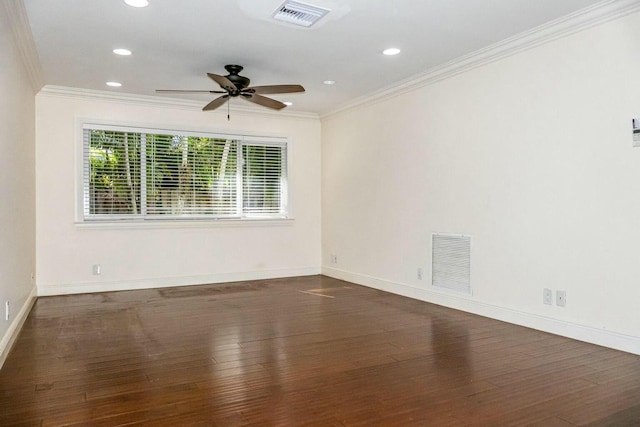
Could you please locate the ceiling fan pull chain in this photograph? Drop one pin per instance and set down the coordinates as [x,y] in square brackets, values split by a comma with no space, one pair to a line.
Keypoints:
[229,110]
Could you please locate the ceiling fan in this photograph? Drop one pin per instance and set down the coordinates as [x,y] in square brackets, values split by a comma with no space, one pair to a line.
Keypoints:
[234,85]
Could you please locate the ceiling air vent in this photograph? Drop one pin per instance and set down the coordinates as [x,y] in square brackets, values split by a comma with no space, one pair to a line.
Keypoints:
[298,13]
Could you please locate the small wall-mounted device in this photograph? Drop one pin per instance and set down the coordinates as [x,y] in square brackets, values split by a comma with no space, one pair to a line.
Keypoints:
[636,132]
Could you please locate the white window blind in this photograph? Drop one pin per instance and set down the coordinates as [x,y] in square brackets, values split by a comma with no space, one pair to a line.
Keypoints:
[263,178]
[148,174]
[112,173]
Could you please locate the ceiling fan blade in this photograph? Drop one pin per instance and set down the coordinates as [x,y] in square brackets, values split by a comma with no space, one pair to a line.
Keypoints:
[224,82]
[275,89]
[264,101]
[215,103]
[188,91]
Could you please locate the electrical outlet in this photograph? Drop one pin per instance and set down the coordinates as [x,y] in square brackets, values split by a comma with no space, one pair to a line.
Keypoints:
[334,259]
[6,310]
[547,296]
[420,274]
[97,269]
[561,298]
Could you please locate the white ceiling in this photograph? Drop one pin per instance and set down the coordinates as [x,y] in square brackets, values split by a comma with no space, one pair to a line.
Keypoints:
[175,43]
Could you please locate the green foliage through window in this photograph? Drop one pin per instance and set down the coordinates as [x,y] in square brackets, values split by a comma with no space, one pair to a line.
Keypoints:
[149,175]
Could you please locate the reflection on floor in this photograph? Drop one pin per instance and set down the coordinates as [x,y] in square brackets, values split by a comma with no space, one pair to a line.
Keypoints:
[300,351]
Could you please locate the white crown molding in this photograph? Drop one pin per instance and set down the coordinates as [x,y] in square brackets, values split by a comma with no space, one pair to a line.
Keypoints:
[128,98]
[583,19]
[21,29]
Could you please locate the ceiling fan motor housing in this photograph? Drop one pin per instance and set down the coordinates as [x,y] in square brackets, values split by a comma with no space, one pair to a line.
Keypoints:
[239,81]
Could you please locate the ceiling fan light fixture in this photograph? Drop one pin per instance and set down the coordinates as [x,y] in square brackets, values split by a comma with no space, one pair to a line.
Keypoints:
[298,13]
[137,3]
[287,103]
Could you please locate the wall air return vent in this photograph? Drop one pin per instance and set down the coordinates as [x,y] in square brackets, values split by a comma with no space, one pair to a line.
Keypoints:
[298,13]
[451,262]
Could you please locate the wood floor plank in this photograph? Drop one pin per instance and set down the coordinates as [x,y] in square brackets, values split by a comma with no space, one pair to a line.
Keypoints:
[300,351]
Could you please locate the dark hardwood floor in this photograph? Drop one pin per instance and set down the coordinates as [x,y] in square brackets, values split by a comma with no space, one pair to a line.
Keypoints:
[300,351]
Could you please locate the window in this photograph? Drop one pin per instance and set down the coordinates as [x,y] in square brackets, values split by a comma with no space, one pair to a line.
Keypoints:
[151,174]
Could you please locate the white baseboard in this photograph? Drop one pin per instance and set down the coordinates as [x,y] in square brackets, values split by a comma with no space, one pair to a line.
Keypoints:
[14,328]
[48,289]
[618,341]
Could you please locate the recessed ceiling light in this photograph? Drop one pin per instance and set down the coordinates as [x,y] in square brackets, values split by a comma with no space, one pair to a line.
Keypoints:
[288,103]
[114,84]
[123,52]
[137,3]
[391,51]
[329,82]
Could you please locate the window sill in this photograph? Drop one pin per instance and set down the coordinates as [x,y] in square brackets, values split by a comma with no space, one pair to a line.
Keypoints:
[155,224]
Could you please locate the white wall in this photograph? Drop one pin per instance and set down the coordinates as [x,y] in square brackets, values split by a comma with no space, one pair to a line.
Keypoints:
[141,257]
[17,185]
[532,156]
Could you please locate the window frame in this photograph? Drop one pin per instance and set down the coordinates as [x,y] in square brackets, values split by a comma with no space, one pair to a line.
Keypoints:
[83,217]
